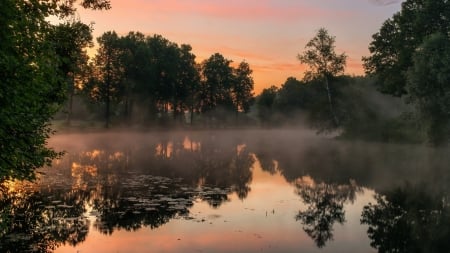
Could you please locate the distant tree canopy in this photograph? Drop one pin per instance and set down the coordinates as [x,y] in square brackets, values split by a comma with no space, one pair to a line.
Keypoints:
[304,102]
[148,78]
[33,76]
[362,111]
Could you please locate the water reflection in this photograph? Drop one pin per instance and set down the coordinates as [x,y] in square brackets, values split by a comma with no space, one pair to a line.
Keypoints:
[127,186]
[40,221]
[107,183]
[325,206]
[409,219]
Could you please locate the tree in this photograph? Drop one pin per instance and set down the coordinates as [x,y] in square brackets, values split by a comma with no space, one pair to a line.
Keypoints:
[428,86]
[405,61]
[31,88]
[134,56]
[292,96]
[70,40]
[217,75]
[106,86]
[324,63]
[243,87]
[265,104]
[188,83]
[393,47]
[164,56]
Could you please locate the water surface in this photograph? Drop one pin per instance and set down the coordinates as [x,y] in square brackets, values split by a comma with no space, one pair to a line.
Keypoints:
[230,191]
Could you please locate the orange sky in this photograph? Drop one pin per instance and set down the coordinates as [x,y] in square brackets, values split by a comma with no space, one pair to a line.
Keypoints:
[268,34]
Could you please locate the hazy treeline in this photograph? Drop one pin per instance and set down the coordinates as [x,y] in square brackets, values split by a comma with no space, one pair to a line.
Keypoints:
[150,81]
[138,79]
[362,112]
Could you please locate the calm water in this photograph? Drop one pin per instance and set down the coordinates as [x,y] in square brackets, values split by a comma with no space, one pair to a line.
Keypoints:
[230,191]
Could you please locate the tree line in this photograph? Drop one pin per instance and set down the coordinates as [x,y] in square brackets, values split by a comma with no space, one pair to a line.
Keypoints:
[149,79]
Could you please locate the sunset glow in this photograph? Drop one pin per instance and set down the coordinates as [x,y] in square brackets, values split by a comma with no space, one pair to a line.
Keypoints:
[268,34]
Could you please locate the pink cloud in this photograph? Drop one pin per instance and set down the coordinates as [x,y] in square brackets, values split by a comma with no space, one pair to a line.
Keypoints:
[242,10]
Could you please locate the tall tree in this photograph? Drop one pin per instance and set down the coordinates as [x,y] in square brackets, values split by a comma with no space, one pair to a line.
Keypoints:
[218,80]
[107,86]
[324,63]
[428,86]
[135,57]
[70,41]
[393,46]
[188,83]
[31,88]
[243,87]
[164,57]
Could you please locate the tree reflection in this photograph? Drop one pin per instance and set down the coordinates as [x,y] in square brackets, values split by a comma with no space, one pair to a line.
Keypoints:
[124,186]
[131,182]
[40,221]
[143,201]
[409,219]
[325,206]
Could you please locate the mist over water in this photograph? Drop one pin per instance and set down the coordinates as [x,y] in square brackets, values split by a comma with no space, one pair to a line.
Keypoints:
[296,153]
[229,190]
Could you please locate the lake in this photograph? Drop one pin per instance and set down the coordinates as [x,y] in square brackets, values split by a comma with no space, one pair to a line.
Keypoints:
[230,191]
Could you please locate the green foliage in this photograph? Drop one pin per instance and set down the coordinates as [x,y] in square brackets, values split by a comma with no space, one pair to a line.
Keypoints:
[409,57]
[31,87]
[70,41]
[28,90]
[428,86]
[393,46]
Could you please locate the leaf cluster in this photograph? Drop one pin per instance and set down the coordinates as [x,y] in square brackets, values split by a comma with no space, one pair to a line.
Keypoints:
[31,87]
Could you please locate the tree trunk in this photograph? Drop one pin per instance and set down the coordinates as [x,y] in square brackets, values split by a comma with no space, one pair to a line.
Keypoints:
[192,115]
[107,102]
[70,102]
[333,114]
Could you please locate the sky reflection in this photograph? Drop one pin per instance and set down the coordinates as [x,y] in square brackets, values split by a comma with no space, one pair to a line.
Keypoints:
[263,220]
[270,191]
